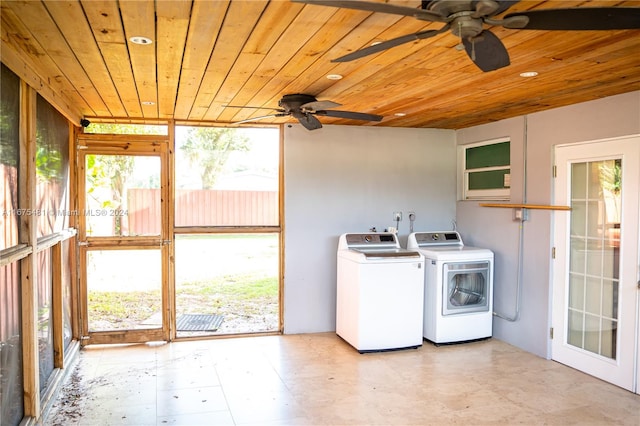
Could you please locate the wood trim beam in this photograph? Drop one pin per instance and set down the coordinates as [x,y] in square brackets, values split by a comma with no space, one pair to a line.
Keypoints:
[125,336]
[28,268]
[281,222]
[170,282]
[524,206]
[57,306]
[74,222]
[15,253]
[73,276]
[83,312]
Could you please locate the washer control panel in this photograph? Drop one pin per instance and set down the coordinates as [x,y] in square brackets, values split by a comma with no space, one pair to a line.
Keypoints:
[438,238]
[382,239]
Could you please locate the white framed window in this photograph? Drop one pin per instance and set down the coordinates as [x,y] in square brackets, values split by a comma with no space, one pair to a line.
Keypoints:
[484,170]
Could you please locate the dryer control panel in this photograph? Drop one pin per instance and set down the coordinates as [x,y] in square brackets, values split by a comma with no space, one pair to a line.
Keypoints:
[448,238]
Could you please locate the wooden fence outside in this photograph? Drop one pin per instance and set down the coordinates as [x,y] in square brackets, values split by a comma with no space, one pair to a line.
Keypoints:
[9,301]
[205,207]
[8,216]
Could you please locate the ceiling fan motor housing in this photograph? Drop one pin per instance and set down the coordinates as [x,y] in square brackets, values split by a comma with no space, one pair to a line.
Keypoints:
[448,7]
[292,103]
[465,17]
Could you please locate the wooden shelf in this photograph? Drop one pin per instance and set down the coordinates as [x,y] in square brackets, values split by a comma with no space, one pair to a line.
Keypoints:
[524,206]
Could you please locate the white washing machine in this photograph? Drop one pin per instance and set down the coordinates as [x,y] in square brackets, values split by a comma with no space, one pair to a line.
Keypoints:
[380,293]
[458,303]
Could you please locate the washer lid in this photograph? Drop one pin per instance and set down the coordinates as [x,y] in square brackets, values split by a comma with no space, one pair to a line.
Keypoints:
[387,254]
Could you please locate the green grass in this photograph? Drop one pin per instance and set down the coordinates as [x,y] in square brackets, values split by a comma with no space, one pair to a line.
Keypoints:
[244,295]
[116,306]
[242,287]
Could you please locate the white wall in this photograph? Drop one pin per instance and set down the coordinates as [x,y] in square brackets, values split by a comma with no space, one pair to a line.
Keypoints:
[347,179]
[494,228]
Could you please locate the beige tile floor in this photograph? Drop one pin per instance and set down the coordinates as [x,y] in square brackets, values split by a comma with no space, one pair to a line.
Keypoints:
[317,379]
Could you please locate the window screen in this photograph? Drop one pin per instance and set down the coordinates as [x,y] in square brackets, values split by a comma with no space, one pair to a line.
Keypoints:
[9,156]
[52,169]
[486,170]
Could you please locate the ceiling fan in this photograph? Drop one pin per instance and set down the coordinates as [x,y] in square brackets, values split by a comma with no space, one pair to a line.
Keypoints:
[465,19]
[304,108]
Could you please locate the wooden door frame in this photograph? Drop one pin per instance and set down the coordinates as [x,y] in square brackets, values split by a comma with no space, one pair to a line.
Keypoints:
[143,145]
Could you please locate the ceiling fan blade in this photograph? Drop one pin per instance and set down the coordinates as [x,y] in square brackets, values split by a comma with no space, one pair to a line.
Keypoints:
[251,107]
[484,8]
[421,14]
[601,18]
[487,51]
[262,117]
[350,115]
[389,44]
[309,121]
[318,105]
[504,5]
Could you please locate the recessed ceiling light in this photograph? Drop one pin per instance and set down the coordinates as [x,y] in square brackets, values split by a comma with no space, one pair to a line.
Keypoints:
[528,74]
[400,114]
[140,40]
[148,103]
[334,77]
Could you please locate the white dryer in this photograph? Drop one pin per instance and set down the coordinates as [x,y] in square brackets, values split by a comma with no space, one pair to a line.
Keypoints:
[458,293]
[379,294]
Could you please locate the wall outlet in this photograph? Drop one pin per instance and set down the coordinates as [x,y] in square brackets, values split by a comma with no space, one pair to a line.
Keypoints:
[397,216]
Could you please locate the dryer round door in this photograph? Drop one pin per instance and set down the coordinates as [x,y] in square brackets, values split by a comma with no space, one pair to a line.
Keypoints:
[466,287]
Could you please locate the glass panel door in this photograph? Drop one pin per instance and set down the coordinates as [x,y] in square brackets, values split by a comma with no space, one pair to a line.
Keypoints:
[596,270]
[594,256]
[123,253]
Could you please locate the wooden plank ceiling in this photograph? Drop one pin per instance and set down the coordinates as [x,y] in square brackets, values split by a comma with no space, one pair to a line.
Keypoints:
[207,54]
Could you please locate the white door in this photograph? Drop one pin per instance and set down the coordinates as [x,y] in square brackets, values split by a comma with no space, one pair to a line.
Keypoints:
[595,284]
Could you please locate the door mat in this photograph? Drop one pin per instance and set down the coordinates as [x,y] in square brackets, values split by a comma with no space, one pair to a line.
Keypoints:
[199,322]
